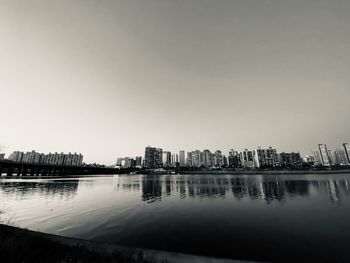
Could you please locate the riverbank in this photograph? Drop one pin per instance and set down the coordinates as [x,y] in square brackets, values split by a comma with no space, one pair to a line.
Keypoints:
[223,171]
[266,172]
[21,245]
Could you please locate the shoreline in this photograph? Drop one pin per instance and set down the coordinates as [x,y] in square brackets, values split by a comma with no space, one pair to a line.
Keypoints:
[267,172]
[23,245]
[193,172]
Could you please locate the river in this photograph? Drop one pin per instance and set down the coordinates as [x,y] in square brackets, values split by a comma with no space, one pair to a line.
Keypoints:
[253,217]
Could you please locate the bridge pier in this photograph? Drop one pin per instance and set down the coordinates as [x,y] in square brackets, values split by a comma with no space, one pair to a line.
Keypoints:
[19,171]
[60,171]
[25,171]
[10,171]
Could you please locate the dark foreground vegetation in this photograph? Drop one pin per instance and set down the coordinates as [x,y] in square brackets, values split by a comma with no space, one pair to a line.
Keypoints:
[19,245]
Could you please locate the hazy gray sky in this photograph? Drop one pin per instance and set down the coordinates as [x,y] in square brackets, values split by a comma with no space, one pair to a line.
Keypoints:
[106,78]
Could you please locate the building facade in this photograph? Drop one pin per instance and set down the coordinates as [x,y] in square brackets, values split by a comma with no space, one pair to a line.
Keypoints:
[182,159]
[69,159]
[153,158]
[266,157]
[324,155]
[290,159]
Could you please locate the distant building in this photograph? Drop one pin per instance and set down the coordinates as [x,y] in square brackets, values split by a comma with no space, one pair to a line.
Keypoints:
[309,159]
[290,159]
[247,158]
[218,159]
[2,156]
[340,157]
[234,159]
[50,158]
[150,156]
[138,161]
[266,157]
[224,161]
[153,157]
[317,157]
[347,151]
[166,160]
[208,158]
[182,159]
[324,154]
[189,162]
[126,162]
[159,154]
[196,158]
[174,160]
[331,157]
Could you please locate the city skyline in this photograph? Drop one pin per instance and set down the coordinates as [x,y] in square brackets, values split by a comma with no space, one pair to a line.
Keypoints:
[316,152]
[103,78]
[156,157]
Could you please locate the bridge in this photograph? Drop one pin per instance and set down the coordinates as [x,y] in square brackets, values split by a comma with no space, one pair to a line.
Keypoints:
[10,168]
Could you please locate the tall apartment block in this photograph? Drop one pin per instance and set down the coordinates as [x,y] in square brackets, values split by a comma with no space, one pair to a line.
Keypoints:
[324,154]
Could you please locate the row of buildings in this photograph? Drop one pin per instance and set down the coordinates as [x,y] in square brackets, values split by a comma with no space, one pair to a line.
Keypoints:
[158,158]
[257,158]
[69,159]
[324,156]
[128,162]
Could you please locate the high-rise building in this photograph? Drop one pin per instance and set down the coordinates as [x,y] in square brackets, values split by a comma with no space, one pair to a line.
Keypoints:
[166,159]
[347,151]
[50,158]
[247,158]
[208,158]
[290,159]
[197,158]
[317,157]
[266,157]
[339,156]
[138,161]
[189,162]
[159,155]
[150,157]
[153,157]
[234,159]
[174,160]
[324,154]
[218,159]
[16,156]
[182,160]
[224,161]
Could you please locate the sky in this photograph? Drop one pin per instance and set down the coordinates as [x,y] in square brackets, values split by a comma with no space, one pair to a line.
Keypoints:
[107,78]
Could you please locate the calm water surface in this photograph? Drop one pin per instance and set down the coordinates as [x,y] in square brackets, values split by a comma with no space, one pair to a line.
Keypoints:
[257,217]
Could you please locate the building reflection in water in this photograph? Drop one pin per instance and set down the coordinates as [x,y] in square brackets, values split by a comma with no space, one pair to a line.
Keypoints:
[61,189]
[267,188]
